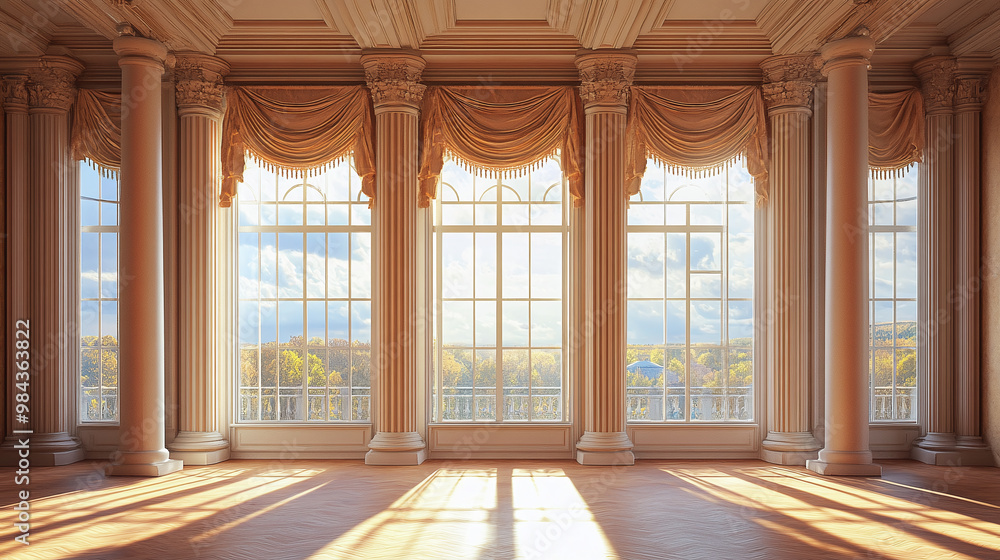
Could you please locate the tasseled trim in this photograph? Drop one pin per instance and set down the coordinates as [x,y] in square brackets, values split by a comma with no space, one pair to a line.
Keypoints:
[696,172]
[297,172]
[105,171]
[496,172]
[890,172]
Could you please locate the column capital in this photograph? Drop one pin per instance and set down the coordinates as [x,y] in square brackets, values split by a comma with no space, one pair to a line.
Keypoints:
[393,77]
[198,81]
[937,82]
[849,50]
[789,81]
[605,76]
[139,50]
[51,84]
[15,92]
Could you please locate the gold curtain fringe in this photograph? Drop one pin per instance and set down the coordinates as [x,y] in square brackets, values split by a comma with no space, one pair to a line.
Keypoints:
[695,172]
[296,172]
[105,171]
[498,172]
[882,173]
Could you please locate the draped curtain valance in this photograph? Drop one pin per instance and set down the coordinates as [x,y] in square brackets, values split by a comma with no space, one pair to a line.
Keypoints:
[502,130]
[895,130]
[695,130]
[97,129]
[297,130]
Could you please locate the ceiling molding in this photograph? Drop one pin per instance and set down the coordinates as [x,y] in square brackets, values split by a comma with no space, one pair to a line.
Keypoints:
[181,25]
[607,24]
[795,26]
[388,24]
[25,29]
[981,35]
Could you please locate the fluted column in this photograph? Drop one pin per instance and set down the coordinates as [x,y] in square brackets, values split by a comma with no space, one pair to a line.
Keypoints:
[788,92]
[605,80]
[846,450]
[53,261]
[140,297]
[393,78]
[935,260]
[969,448]
[198,91]
[20,290]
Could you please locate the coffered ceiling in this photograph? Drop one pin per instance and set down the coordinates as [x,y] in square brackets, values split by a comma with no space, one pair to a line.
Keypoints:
[487,41]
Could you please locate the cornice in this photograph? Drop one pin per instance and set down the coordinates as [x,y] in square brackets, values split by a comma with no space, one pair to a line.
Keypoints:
[607,24]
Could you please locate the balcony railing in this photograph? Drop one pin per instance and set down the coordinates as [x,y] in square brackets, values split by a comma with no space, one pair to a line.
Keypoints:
[343,404]
[519,404]
[653,404]
[882,404]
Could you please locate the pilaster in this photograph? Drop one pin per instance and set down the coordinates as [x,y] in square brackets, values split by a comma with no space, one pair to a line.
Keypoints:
[935,261]
[198,91]
[605,79]
[788,95]
[393,78]
[52,260]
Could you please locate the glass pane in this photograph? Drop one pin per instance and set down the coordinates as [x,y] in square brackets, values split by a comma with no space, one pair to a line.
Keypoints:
[645,322]
[645,265]
[546,265]
[515,323]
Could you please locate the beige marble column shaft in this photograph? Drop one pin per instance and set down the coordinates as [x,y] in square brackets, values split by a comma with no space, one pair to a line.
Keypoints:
[140,297]
[198,91]
[393,78]
[605,81]
[788,93]
[935,261]
[846,450]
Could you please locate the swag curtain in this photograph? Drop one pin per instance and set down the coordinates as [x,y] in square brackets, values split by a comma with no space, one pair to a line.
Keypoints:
[695,130]
[296,130]
[97,130]
[895,131]
[499,131]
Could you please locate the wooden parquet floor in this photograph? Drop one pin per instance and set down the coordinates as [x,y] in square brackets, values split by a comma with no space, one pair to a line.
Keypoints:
[506,509]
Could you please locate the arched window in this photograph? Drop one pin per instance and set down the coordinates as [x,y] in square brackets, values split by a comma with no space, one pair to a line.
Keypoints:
[304,313]
[690,297]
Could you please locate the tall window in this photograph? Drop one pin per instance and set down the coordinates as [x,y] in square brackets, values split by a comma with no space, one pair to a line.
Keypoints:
[305,274]
[98,296]
[893,296]
[500,279]
[690,297]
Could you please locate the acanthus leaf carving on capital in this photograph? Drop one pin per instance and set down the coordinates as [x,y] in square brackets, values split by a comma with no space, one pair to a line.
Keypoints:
[970,90]
[51,88]
[15,90]
[605,79]
[790,80]
[937,82]
[395,80]
[198,83]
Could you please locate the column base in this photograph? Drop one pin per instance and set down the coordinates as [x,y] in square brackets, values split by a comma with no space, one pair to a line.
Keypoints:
[938,440]
[843,469]
[789,448]
[374,457]
[148,469]
[396,448]
[956,456]
[605,458]
[44,450]
[199,448]
[604,448]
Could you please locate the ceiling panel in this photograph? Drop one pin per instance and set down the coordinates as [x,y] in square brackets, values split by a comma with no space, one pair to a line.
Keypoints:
[716,9]
[500,10]
[271,9]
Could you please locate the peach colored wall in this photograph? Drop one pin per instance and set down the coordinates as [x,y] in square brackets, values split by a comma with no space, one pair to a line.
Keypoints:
[991,262]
